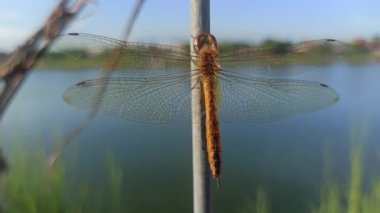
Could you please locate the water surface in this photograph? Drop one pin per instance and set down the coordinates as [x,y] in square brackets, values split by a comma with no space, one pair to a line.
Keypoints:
[284,158]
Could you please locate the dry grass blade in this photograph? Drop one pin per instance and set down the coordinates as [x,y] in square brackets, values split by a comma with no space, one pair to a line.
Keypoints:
[20,61]
[105,74]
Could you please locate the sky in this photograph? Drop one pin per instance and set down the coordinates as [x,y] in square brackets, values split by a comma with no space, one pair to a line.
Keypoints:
[167,21]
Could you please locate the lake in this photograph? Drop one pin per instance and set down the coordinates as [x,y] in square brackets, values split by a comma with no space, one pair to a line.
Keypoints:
[282,164]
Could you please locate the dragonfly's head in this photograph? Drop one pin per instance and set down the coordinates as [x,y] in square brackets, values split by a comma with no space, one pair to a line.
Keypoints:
[204,41]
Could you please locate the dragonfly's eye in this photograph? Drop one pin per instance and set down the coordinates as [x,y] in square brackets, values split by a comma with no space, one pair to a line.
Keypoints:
[196,43]
[204,41]
[212,41]
[199,42]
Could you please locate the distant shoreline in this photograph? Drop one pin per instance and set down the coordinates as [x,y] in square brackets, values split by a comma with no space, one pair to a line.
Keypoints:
[69,63]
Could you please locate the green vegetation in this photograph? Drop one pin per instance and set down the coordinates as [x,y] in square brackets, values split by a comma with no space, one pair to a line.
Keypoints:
[131,58]
[276,47]
[26,187]
[231,47]
[260,203]
[29,186]
[336,197]
[355,197]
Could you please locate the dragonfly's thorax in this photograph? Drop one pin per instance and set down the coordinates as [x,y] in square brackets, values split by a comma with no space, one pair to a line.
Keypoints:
[206,47]
[207,62]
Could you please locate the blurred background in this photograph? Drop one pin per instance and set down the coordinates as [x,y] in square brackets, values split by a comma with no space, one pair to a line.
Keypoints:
[327,161]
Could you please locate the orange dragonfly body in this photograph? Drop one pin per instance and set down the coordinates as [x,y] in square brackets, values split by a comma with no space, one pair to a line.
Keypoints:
[208,68]
[156,83]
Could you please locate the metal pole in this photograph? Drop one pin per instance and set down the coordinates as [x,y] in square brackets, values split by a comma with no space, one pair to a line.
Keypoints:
[200,23]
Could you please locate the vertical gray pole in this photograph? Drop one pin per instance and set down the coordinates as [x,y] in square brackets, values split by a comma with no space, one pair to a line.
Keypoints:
[200,23]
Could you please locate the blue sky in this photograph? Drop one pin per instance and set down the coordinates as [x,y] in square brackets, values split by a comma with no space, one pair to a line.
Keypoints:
[167,21]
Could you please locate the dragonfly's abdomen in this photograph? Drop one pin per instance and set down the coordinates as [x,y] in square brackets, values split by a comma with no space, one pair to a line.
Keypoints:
[209,68]
[212,126]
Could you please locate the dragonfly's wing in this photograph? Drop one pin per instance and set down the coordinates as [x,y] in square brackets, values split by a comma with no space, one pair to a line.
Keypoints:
[91,50]
[158,99]
[279,59]
[249,99]
[167,99]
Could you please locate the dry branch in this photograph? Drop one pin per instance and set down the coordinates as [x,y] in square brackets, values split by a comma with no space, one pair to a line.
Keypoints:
[105,74]
[20,61]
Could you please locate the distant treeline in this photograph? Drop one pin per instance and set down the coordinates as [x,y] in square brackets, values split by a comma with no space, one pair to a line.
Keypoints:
[358,50]
[357,46]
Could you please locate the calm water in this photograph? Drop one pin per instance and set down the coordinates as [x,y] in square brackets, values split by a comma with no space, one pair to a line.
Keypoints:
[285,158]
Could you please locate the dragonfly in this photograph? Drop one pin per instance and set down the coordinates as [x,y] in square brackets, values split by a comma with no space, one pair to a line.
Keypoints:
[156,81]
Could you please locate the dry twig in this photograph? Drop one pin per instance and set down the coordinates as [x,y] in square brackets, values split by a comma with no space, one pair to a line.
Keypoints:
[105,74]
[20,61]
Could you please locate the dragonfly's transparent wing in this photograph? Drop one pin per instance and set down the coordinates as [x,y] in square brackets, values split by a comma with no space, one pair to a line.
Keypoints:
[279,59]
[159,99]
[166,99]
[91,50]
[251,99]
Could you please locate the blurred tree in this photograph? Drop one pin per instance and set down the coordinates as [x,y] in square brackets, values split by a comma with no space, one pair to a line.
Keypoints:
[321,49]
[359,46]
[230,47]
[276,47]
